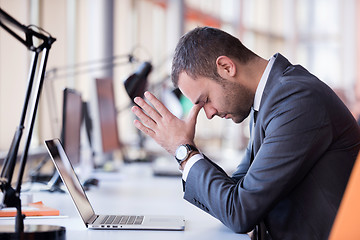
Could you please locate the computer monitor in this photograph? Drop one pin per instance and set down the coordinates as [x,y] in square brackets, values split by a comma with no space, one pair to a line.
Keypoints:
[70,132]
[71,124]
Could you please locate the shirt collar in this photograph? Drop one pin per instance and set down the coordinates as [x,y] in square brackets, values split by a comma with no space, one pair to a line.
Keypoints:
[261,86]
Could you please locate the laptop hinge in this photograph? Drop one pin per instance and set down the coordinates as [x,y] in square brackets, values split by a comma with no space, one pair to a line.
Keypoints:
[92,219]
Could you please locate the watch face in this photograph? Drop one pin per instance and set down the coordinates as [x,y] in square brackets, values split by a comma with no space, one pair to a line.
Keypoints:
[181,152]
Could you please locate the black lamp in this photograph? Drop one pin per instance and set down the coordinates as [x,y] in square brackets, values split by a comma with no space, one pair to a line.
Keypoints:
[11,196]
[135,84]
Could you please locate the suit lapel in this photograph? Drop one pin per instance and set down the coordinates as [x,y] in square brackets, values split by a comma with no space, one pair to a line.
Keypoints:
[277,71]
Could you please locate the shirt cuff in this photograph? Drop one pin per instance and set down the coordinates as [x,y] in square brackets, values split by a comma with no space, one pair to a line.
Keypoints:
[189,164]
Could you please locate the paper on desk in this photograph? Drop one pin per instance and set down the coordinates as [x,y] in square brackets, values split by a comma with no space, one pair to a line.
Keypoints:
[32,209]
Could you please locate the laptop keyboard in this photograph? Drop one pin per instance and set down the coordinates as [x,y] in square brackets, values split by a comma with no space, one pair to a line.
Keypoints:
[123,220]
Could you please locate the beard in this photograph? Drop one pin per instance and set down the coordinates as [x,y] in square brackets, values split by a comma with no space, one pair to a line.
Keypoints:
[238,100]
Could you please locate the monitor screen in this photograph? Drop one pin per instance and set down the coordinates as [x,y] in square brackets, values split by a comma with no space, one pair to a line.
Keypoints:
[71,124]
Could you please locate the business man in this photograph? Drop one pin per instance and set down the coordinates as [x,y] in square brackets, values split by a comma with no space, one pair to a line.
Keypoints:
[303,145]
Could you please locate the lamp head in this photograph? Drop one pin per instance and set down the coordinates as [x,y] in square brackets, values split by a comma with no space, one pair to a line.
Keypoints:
[135,84]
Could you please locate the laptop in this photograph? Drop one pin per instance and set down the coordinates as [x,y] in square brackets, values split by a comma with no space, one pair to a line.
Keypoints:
[95,221]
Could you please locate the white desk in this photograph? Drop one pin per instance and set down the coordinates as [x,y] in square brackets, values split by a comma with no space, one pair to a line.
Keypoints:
[134,191]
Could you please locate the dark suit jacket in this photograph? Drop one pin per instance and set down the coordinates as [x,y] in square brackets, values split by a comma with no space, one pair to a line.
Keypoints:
[305,145]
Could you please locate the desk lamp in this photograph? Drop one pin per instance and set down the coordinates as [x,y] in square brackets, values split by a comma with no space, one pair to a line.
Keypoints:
[11,196]
[135,84]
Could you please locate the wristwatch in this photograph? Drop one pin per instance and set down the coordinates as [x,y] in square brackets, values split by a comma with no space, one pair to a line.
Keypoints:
[183,151]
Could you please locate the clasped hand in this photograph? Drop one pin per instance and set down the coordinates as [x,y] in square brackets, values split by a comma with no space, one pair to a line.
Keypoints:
[161,125]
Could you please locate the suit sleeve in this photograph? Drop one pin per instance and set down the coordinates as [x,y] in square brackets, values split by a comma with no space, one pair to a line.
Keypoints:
[294,136]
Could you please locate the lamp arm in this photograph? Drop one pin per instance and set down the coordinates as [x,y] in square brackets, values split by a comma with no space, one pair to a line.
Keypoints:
[89,66]
[11,197]
[10,160]
[29,33]
[34,111]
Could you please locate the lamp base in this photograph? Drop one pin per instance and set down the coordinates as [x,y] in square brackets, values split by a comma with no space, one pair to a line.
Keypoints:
[38,232]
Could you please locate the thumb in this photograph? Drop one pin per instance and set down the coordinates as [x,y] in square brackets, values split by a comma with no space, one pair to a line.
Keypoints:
[194,112]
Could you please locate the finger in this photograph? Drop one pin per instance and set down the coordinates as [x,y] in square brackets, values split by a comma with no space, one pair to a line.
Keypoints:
[164,112]
[194,112]
[147,108]
[144,129]
[148,121]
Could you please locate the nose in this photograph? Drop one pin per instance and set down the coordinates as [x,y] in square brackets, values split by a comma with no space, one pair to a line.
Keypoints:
[209,111]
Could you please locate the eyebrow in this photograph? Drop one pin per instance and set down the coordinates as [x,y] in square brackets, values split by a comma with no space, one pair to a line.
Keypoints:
[198,100]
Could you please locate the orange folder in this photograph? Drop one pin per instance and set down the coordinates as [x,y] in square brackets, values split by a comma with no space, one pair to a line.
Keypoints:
[32,209]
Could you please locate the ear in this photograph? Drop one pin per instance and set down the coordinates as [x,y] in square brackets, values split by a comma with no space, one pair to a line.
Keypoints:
[225,67]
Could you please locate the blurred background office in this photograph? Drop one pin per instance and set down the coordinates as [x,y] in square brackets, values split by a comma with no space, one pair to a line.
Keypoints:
[321,35]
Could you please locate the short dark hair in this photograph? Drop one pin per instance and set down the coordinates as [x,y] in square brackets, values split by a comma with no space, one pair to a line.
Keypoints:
[197,51]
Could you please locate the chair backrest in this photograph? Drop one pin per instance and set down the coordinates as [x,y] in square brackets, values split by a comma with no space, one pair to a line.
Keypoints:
[346,224]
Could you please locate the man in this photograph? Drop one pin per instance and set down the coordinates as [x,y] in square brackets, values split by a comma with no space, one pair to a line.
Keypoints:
[303,144]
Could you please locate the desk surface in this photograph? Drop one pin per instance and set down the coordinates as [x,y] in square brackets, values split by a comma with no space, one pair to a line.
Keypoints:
[133,190]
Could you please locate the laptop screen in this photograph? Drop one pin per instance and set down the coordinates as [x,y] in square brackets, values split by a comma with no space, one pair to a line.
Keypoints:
[69,178]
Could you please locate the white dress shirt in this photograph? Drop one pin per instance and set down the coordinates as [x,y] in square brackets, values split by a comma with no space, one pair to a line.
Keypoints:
[257,100]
